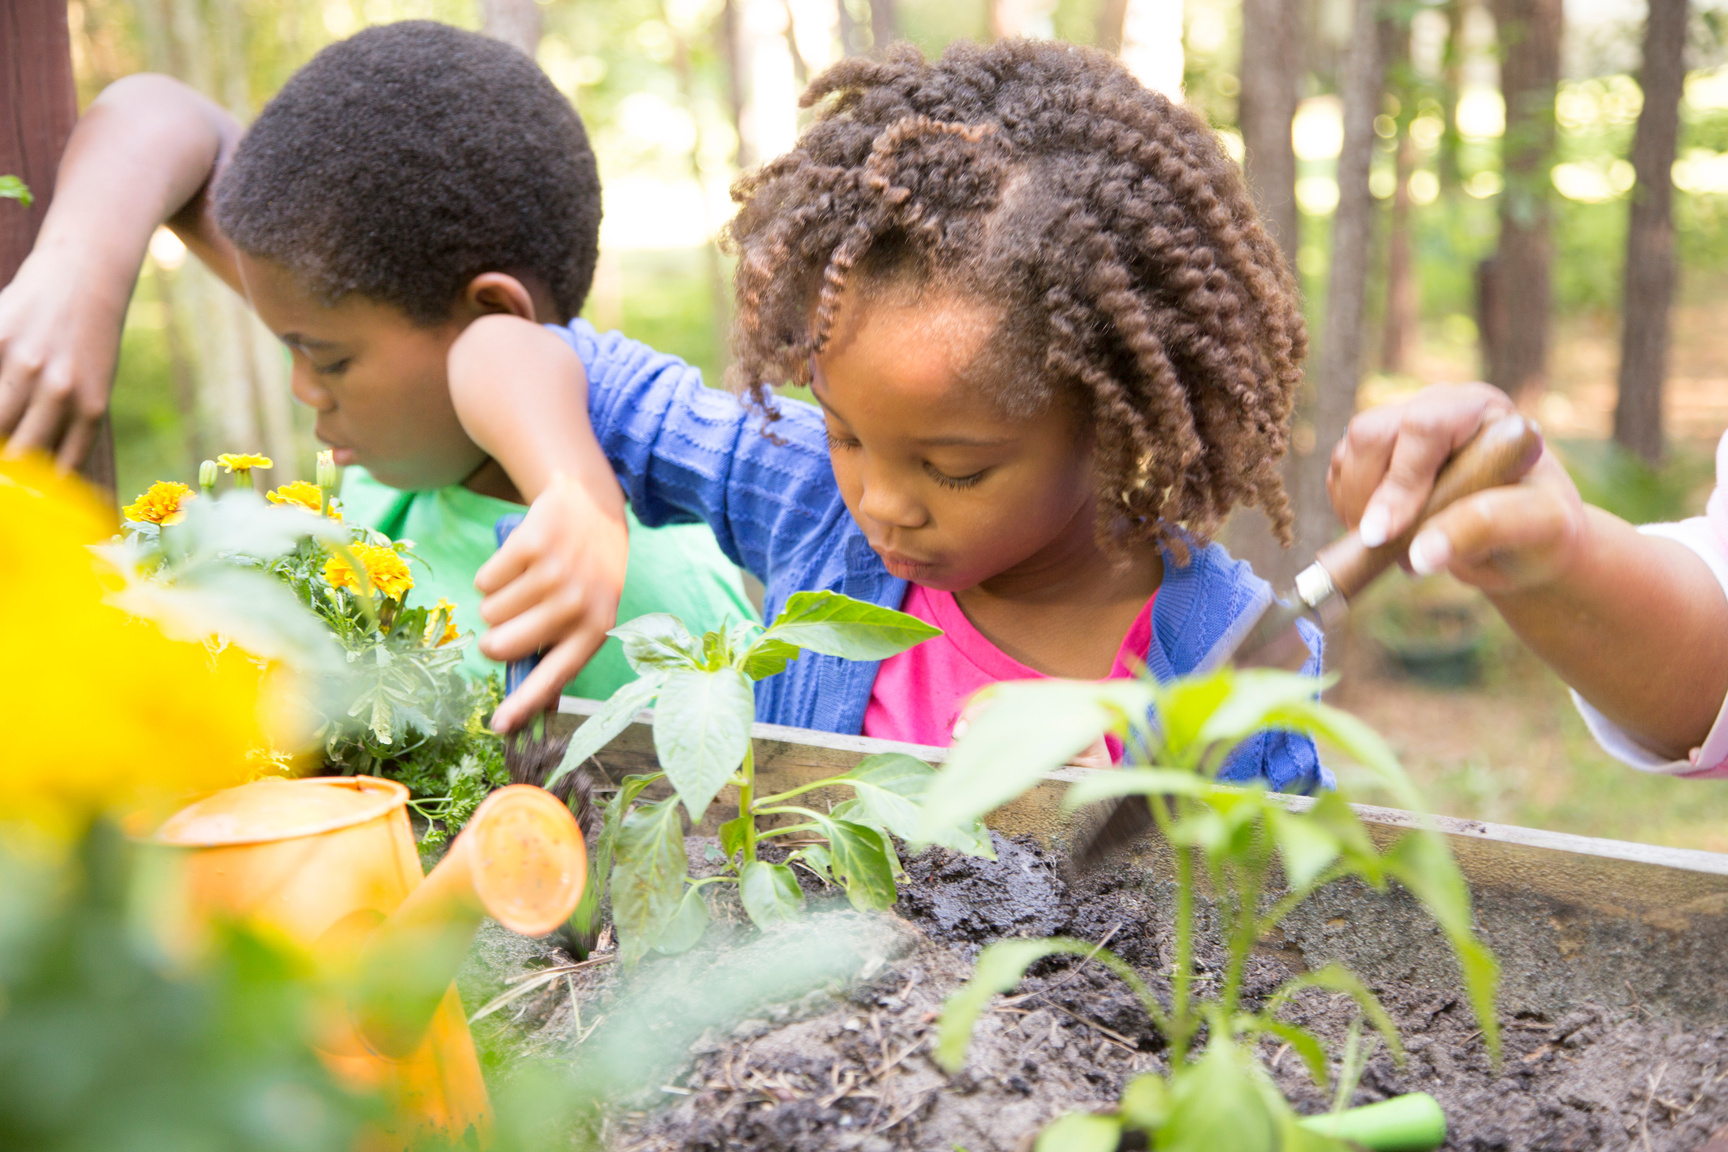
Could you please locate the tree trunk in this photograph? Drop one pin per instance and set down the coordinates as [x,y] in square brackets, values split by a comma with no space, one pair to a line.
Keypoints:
[1451,87]
[514,22]
[1271,77]
[1108,32]
[1340,366]
[1398,331]
[884,27]
[41,105]
[1649,284]
[1517,354]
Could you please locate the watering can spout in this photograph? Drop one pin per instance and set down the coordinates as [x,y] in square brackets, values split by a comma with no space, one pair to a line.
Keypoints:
[520,860]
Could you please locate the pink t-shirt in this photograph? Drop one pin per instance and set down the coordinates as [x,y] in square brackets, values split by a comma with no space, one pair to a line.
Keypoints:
[918,694]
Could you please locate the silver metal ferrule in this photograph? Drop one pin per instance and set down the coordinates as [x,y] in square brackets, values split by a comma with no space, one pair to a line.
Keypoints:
[1314,588]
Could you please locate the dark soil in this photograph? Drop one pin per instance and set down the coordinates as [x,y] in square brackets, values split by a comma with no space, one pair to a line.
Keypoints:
[801,1054]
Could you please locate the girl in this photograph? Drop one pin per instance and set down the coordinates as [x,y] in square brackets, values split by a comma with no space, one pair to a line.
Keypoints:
[1051,347]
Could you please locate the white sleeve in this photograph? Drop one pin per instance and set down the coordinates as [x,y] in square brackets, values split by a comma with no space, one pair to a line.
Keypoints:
[1711,757]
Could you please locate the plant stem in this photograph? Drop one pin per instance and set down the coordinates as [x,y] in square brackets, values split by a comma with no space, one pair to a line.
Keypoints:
[1242,936]
[1181,1027]
[746,801]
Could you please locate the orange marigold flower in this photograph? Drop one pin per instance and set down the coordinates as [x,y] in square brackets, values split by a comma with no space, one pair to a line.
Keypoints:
[300,494]
[387,571]
[244,461]
[164,502]
[445,611]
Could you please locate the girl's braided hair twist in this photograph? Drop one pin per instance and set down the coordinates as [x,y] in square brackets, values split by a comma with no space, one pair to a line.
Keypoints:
[1132,273]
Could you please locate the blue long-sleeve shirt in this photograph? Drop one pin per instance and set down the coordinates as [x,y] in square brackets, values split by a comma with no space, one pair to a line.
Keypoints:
[684,452]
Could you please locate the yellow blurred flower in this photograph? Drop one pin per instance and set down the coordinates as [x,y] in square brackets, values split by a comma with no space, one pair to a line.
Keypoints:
[301,494]
[244,461]
[105,713]
[445,611]
[384,568]
[164,502]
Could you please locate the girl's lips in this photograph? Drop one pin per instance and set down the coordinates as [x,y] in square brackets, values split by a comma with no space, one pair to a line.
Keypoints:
[342,456]
[904,567]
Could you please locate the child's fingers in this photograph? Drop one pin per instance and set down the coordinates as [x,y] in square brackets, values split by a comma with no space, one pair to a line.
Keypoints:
[512,559]
[540,689]
[529,587]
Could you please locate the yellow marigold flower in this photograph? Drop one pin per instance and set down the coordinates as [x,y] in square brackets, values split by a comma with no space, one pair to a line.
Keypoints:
[300,494]
[244,461]
[387,571]
[164,502]
[445,611]
[173,721]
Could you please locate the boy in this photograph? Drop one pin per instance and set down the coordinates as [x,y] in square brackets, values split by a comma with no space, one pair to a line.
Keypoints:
[404,183]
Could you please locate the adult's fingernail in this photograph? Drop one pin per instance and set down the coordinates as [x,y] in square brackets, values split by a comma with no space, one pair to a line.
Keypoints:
[1429,553]
[1372,530]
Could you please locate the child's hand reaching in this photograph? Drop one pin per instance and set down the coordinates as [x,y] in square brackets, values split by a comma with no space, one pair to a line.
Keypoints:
[553,587]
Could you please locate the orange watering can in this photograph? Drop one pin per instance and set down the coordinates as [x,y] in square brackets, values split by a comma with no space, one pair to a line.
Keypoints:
[330,863]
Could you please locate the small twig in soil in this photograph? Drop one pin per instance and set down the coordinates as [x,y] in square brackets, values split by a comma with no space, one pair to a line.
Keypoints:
[529,981]
[1644,1121]
[1072,972]
[1116,1037]
[917,1103]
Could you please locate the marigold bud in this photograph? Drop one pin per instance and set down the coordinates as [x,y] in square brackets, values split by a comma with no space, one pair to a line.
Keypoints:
[326,474]
[207,476]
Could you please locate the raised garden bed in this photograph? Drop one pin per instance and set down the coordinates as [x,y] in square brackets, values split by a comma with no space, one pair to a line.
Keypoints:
[1613,958]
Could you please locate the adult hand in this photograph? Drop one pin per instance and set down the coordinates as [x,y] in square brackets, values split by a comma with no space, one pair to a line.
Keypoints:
[59,341]
[1501,540]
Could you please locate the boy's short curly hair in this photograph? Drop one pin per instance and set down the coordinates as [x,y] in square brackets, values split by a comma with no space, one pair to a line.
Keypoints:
[408,159]
[1132,275]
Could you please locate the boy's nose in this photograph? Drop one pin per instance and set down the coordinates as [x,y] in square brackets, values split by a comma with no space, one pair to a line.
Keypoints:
[307,390]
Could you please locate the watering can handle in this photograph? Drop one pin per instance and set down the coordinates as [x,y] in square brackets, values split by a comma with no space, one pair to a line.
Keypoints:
[517,670]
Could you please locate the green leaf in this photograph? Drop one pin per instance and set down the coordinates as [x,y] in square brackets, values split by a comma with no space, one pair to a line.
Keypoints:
[859,859]
[767,657]
[1146,1102]
[770,893]
[686,926]
[1337,978]
[1256,695]
[818,860]
[12,188]
[1080,1132]
[658,641]
[702,730]
[1215,1104]
[838,625]
[1307,846]
[1304,1043]
[887,787]
[1028,728]
[1133,782]
[733,833]
[603,726]
[648,877]
[1422,863]
[1183,709]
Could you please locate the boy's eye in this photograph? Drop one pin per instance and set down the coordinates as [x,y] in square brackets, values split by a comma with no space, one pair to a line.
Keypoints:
[335,369]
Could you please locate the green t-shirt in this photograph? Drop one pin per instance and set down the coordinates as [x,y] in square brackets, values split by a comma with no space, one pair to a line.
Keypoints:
[677,569]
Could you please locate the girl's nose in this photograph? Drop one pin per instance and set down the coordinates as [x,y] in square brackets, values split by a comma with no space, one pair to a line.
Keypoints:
[890,504]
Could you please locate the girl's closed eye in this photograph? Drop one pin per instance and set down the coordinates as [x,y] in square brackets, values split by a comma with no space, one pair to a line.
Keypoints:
[948,481]
[837,441]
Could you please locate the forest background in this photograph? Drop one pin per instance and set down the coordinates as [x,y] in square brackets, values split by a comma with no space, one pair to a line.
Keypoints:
[1413,158]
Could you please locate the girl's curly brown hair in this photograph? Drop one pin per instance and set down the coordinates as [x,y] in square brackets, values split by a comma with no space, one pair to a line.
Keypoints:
[1131,273]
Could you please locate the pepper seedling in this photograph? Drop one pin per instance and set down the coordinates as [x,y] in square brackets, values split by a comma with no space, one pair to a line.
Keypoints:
[704,693]
[1243,841]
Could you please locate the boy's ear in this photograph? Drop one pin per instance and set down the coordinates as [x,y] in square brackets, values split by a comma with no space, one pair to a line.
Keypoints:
[493,292]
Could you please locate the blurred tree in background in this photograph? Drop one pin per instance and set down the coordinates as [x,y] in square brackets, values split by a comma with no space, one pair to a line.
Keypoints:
[679,94]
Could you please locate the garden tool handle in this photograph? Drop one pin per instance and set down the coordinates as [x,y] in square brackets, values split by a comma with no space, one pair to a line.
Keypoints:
[521,860]
[1499,454]
[517,670]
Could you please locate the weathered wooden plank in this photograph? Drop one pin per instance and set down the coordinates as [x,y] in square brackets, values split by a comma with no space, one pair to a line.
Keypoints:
[1572,918]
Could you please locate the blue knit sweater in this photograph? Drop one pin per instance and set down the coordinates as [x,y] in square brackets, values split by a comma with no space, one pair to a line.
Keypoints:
[685,452]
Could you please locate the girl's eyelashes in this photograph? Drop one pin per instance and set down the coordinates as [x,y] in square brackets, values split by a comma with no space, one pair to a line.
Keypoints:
[948,481]
[836,443]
